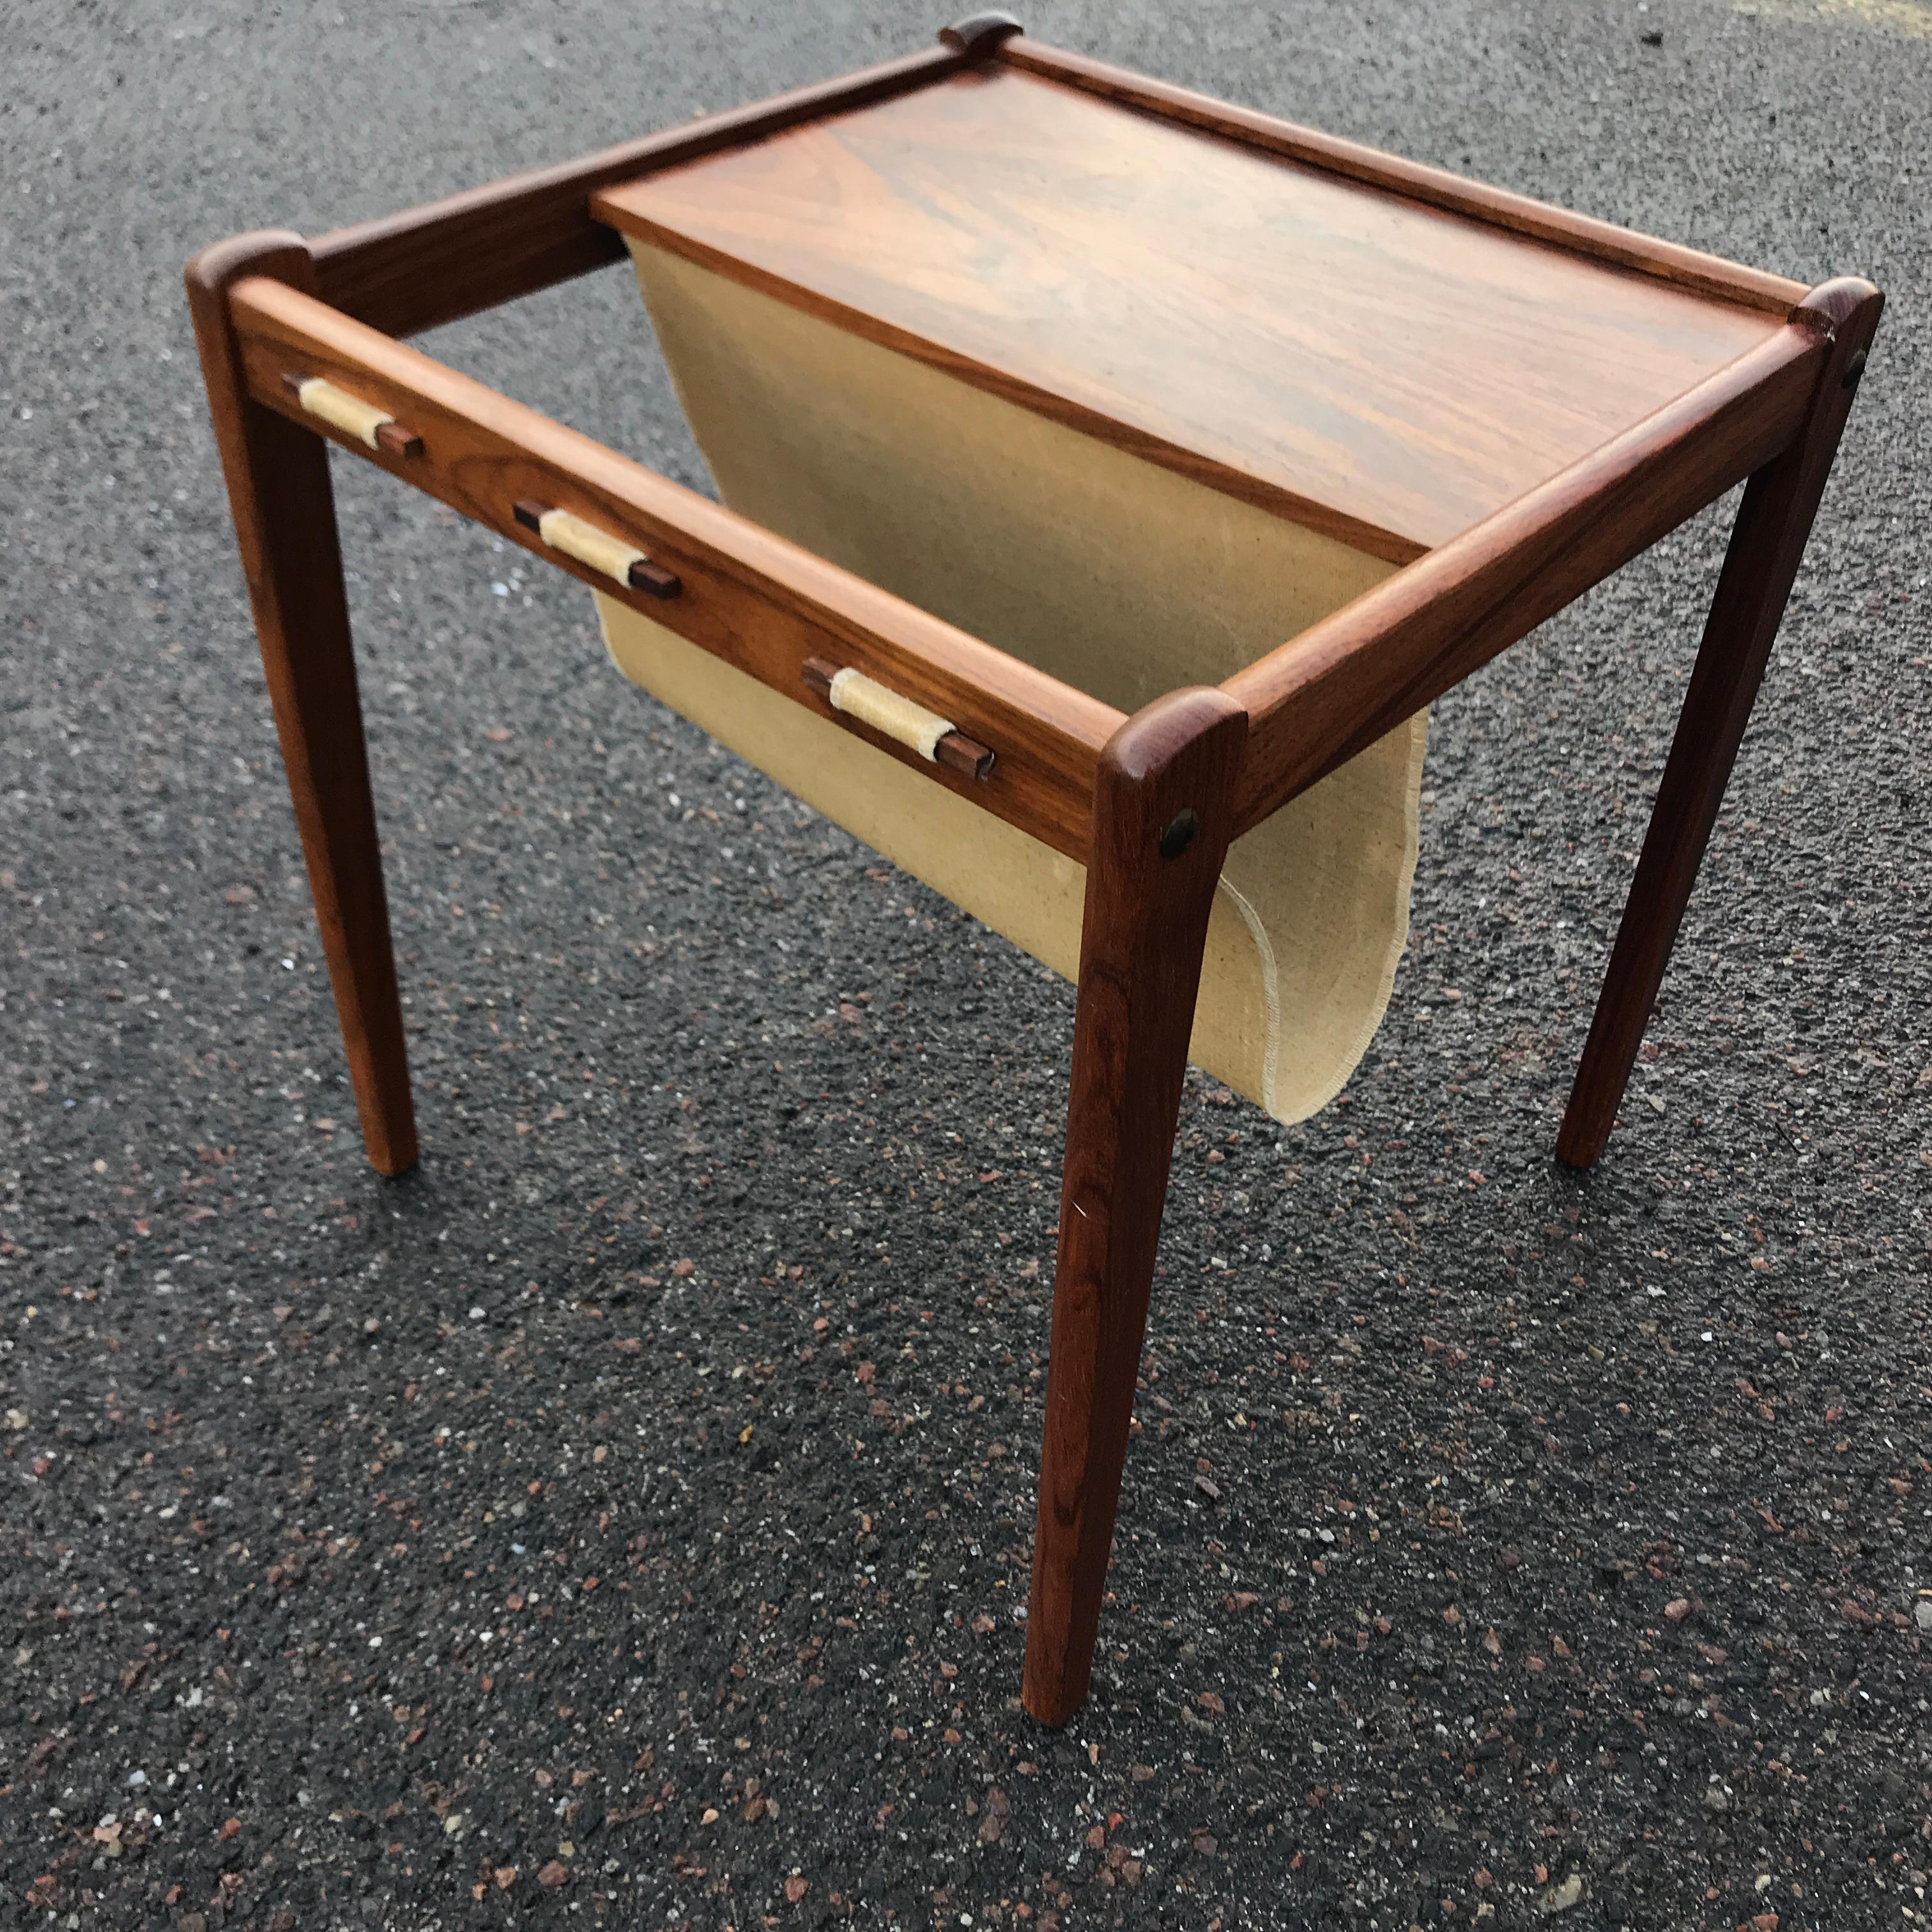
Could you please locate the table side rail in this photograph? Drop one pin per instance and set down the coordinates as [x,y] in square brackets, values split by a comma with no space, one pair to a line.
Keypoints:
[1688,268]
[749,596]
[1316,700]
[424,266]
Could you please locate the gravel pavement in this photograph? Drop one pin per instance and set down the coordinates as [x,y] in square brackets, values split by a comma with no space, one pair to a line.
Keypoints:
[621,1520]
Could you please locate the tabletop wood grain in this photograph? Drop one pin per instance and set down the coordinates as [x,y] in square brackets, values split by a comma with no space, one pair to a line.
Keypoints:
[1386,371]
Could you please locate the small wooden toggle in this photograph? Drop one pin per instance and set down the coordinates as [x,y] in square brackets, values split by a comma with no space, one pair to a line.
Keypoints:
[598,548]
[354,417]
[898,718]
[980,34]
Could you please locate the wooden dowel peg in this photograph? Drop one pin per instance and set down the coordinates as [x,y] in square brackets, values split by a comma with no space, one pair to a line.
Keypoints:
[653,579]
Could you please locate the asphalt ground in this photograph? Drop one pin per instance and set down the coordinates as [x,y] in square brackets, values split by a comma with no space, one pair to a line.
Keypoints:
[620,1520]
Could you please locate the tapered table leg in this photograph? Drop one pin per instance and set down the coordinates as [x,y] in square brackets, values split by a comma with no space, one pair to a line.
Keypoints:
[1768,539]
[1163,809]
[284,513]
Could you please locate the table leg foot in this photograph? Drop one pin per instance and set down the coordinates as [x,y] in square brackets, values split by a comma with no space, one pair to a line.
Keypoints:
[1767,542]
[1163,812]
[284,510]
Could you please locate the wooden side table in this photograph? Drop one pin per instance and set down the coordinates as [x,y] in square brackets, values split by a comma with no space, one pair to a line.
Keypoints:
[1486,403]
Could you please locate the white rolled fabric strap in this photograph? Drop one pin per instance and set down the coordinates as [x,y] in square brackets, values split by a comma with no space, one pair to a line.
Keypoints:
[340,410]
[588,544]
[622,562]
[888,713]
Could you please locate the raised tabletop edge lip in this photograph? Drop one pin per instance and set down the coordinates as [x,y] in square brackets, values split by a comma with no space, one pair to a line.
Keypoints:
[1469,197]
[1722,279]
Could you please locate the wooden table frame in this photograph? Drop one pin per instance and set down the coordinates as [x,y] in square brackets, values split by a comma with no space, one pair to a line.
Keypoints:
[1149,803]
